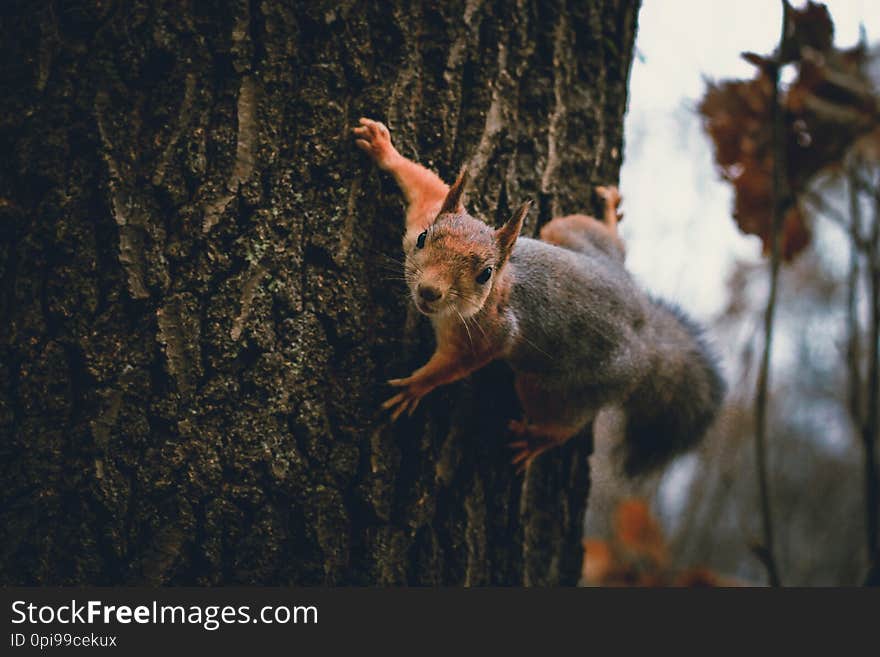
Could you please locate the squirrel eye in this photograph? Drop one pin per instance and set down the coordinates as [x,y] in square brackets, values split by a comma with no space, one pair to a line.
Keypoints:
[484,275]
[420,241]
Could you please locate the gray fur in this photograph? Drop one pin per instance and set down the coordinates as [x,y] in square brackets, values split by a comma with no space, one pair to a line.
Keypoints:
[589,337]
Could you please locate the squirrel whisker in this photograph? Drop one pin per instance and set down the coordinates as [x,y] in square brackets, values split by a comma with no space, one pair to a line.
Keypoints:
[569,291]
[470,339]
[467,299]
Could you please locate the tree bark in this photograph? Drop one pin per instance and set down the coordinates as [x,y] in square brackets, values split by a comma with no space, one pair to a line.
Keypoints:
[197,311]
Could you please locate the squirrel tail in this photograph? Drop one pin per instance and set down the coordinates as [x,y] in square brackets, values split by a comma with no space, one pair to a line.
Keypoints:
[672,407]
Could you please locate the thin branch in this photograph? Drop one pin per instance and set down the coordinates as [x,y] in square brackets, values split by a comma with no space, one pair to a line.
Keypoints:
[821,206]
[853,343]
[871,424]
[865,186]
[766,551]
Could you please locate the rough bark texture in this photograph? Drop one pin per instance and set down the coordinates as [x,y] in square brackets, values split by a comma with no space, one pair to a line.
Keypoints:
[197,318]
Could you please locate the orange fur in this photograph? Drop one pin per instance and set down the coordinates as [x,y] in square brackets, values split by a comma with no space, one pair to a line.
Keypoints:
[570,231]
[441,281]
[636,555]
[423,190]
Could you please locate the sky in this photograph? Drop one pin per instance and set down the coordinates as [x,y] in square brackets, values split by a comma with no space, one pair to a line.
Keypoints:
[681,239]
[682,242]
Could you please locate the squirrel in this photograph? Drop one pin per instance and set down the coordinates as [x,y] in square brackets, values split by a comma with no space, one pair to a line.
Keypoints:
[561,310]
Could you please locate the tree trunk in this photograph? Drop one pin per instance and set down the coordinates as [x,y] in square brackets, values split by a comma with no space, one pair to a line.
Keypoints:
[197,311]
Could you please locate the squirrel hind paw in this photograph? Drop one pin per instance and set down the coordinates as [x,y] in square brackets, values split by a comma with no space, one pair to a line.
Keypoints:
[610,194]
[533,441]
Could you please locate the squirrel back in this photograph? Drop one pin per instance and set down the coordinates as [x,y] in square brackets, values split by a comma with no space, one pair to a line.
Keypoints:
[575,314]
[596,339]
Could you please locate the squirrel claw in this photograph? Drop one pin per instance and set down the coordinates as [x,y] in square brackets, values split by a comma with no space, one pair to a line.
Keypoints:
[611,196]
[375,139]
[518,428]
[609,193]
[404,401]
[530,447]
[396,399]
[401,403]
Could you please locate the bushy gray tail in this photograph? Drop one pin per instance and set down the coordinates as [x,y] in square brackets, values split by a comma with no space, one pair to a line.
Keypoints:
[672,407]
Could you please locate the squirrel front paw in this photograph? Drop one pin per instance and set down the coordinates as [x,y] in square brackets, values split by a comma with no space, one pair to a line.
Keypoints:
[374,138]
[407,399]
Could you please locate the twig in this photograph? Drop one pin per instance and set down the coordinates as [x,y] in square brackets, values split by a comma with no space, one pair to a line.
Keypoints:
[865,186]
[853,344]
[820,206]
[871,423]
[766,552]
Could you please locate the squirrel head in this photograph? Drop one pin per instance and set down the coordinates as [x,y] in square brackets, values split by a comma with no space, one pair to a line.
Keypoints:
[453,264]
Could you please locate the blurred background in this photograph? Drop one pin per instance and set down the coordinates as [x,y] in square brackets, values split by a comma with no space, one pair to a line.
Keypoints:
[698,206]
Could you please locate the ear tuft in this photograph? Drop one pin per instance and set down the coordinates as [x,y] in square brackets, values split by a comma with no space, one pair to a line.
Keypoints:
[507,234]
[452,203]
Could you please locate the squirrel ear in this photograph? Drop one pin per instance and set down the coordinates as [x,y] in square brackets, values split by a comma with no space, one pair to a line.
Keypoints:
[507,234]
[452,203]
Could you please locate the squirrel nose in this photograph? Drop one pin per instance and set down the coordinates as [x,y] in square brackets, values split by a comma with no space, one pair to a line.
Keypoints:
[429,293]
